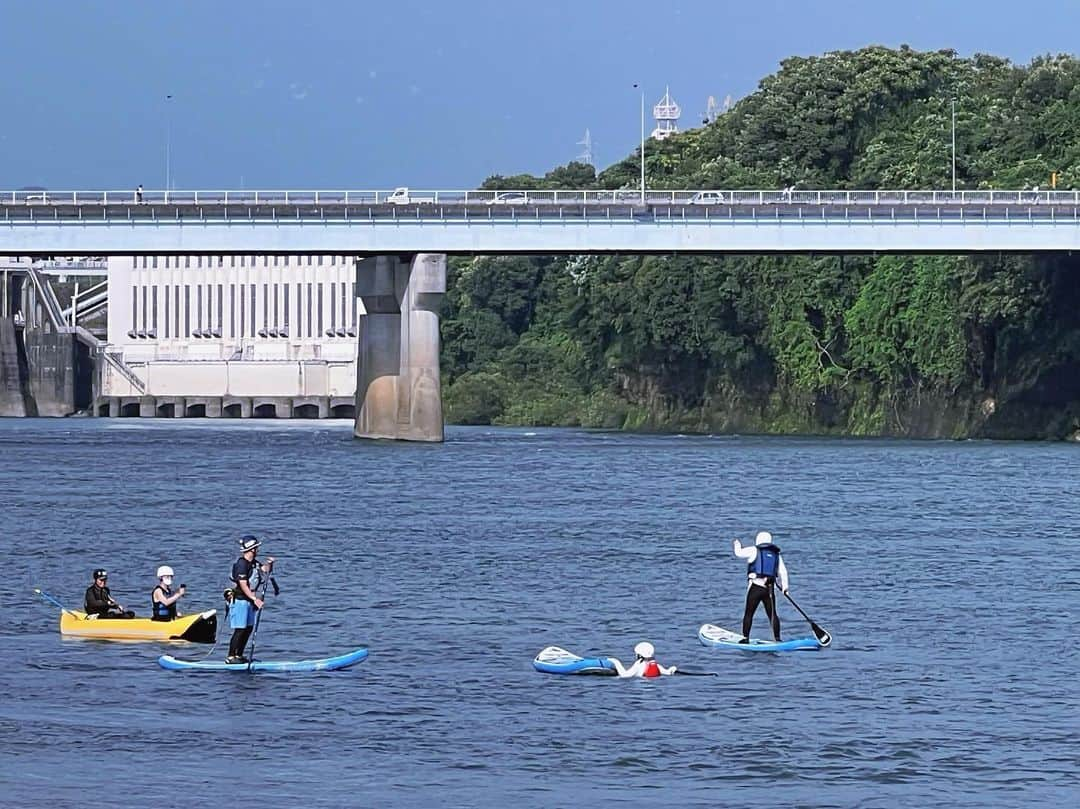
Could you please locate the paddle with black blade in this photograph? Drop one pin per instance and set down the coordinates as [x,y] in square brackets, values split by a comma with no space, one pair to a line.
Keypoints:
[823,637]
[679,671]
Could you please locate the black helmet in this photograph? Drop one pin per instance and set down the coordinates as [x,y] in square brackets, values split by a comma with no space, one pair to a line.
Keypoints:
[101,573]
[248,543]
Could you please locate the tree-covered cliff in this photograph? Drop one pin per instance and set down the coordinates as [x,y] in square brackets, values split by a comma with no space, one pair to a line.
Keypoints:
[902,345]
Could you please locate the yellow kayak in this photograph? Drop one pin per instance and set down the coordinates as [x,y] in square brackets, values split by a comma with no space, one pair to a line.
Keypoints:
[198,628]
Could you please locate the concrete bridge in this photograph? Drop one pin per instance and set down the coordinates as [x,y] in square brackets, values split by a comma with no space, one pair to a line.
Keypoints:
[536,222]
[400,240]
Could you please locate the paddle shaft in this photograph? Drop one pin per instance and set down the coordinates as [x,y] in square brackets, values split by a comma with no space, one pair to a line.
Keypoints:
[824,638]
[56,603]
[696,673]
[258,616]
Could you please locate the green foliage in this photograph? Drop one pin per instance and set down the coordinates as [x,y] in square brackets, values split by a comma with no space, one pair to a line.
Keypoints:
[789,343]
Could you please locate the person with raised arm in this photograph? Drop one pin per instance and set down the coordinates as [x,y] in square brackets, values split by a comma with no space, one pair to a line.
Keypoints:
[764,566]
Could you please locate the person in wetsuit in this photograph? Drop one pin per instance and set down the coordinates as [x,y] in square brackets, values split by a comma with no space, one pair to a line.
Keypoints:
[764,566]
[163,599]
[246,574]
[644,665]
[99,602]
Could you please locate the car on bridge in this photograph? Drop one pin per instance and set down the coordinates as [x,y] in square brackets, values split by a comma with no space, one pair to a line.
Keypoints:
[707,198]
[509,198]
[402,196]
[34,195]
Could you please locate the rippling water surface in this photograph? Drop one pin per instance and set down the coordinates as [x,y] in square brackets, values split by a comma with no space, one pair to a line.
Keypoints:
[947,573]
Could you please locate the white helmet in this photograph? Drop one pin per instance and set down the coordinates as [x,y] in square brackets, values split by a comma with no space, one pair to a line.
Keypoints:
[644,649]
[763,538]
[164,571]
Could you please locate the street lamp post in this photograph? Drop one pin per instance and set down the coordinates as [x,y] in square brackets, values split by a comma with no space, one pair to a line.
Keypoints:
[168,145]
[642,145]
[954,145]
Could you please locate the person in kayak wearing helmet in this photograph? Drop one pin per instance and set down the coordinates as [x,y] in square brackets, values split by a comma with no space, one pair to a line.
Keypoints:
[163,599]
[99,602]
[764,566]
[644,665]
[246,574]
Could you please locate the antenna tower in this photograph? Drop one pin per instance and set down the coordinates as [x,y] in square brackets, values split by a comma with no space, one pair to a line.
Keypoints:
[712,111]
[666,113]
[586,155]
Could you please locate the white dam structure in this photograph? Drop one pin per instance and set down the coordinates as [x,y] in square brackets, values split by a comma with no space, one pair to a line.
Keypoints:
[232,336]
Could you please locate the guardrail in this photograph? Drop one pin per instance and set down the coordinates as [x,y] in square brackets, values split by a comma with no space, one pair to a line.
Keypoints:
[688,197]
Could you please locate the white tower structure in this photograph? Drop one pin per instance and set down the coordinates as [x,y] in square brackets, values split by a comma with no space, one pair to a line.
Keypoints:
[713,110]
[586,155]
[666,113]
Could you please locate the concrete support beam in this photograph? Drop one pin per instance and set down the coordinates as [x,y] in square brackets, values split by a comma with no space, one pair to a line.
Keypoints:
[398,391]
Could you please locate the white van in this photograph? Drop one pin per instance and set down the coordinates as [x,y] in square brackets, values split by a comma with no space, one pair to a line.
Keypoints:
[401,196]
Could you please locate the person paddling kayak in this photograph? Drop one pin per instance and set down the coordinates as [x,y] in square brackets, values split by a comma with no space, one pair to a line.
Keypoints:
[644,665]
[163,599]
[246,575]
[99,602]
[764,567]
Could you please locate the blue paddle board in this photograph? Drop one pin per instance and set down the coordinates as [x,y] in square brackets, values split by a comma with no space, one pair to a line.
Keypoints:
[721,638]
[323,664]
[554,660]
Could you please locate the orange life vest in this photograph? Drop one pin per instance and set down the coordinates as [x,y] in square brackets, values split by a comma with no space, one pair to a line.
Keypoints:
[652,669]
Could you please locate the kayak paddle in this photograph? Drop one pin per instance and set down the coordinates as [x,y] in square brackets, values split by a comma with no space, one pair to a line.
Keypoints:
[55,603]
[824,638]
[696,673]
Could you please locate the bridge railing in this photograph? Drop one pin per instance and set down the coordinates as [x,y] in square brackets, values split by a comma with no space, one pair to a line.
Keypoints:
[568,197]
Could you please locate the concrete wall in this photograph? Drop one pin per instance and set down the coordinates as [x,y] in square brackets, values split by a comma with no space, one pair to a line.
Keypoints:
[239,378]
[42,372]
[14,388]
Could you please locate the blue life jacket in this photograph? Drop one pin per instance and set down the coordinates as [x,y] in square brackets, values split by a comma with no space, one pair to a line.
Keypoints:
[766,564]
[159,611]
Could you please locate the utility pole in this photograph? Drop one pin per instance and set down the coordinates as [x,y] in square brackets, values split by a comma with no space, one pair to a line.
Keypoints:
[642,145]
[954,145]
[168,145]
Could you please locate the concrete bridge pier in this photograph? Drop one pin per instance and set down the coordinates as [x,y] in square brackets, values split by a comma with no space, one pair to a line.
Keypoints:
[398,392]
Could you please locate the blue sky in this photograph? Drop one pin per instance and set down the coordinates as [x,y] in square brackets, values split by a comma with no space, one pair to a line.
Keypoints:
[430,94]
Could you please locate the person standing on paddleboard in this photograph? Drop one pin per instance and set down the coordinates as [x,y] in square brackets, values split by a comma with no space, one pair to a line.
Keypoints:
[764,567]
[163,599]
[246,574]
[644,665]
[99,602]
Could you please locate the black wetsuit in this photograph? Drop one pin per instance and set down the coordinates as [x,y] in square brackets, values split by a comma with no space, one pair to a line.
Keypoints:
[99,602]
[755,595]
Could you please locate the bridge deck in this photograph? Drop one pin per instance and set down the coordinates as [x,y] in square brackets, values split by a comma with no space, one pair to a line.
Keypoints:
[104,222]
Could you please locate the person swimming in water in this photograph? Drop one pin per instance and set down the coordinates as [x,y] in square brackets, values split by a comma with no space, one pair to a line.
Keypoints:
[644,665]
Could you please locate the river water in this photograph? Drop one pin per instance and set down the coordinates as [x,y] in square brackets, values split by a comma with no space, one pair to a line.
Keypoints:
[946,572]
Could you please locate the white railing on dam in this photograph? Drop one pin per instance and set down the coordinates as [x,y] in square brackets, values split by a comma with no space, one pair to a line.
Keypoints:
[537,222]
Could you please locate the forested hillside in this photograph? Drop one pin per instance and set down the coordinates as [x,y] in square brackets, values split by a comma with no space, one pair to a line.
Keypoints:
[890,345]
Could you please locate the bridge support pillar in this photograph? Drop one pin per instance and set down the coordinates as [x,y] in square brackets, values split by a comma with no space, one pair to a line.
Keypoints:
[398,392]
